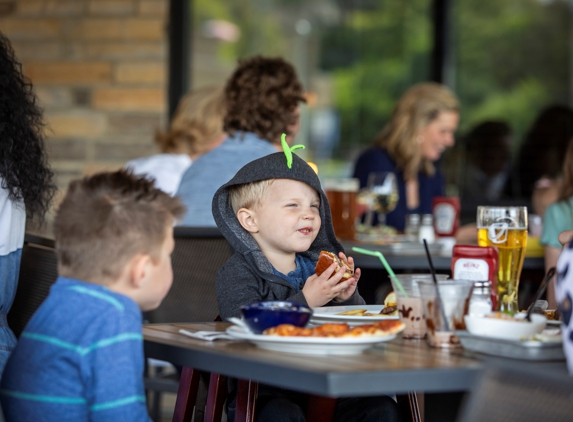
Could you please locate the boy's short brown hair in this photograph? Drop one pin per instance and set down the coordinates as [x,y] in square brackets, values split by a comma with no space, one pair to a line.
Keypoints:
[248,195]
[108,218]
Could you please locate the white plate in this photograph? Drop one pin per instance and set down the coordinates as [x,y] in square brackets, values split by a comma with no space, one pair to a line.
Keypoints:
[310,345]
[326,314]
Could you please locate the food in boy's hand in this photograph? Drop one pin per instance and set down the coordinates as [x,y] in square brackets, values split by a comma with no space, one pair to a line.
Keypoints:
[381,329]
[326,259]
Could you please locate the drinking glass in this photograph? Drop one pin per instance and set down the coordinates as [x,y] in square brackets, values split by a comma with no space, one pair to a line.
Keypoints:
[455,298]
[341,194]
[410,306]
[380,196]
[506,229]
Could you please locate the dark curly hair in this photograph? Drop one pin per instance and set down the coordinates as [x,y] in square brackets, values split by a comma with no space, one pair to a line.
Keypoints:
[24,168]
[262,95]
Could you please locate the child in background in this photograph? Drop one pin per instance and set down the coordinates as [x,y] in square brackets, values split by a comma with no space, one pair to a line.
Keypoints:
[277,219]
[80,357]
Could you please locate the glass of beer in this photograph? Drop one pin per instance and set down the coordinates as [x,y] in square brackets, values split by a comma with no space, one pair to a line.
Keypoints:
[341,194]
[506,229]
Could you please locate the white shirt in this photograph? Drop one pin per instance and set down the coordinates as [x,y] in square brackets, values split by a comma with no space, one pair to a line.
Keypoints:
[166,169]
[12,223]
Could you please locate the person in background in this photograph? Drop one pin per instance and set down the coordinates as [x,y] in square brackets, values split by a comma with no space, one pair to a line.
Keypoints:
[488,153]
[26,181]
[421,127]
[80,357]
[541,156]
[558,218]
[262,98]
[196,128]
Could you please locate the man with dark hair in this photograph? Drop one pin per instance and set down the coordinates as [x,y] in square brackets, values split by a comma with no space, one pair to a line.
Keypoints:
[262,97]
[80,357]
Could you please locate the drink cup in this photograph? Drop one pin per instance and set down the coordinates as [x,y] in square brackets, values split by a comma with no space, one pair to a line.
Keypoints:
[410,306]
[506,229]
[455,299]
[341,194]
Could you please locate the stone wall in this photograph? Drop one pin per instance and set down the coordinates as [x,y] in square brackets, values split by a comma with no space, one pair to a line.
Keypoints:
[99,68]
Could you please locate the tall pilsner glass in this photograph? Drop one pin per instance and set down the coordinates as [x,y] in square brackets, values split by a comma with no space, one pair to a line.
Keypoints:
[506,229]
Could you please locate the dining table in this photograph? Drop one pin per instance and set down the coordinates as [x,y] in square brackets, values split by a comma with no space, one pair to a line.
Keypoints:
[398,366]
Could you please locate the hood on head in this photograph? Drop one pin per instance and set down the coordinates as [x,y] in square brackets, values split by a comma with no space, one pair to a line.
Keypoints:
[273,166]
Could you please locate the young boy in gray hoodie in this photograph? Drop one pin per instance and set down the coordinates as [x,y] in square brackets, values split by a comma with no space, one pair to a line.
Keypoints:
[276,217]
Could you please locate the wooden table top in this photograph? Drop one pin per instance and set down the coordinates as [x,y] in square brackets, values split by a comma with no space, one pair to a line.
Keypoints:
[397,366]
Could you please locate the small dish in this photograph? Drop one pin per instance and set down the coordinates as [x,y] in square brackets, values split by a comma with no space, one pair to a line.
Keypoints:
[262,315]
[505,328]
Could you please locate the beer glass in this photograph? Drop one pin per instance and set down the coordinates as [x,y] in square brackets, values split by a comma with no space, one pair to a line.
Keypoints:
[506,229]
[341,194]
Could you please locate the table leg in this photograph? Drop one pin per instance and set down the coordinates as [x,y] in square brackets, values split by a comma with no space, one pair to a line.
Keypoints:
[410,406]
[216,398]
[186,395]
[246,397]
[320,408]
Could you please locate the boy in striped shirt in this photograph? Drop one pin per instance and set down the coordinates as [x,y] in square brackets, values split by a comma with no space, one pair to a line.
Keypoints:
[80,357]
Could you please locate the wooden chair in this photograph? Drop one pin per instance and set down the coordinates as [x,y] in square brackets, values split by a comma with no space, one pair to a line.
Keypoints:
[198,255]
[38,271]
[520,392]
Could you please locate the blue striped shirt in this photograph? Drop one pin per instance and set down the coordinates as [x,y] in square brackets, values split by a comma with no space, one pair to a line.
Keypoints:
[80,358]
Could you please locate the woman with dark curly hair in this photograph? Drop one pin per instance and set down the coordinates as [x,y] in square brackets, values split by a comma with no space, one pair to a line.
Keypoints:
[26,187]
[262,97]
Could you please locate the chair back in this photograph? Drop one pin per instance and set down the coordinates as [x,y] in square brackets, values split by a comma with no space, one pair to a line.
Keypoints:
[38,271]
[519,393]
[198,255]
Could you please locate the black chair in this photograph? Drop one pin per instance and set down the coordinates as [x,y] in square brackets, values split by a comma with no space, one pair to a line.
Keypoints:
[198,255]
[520,392]
[38,271]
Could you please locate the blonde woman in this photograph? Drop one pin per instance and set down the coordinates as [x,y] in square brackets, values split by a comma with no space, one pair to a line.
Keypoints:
[196,128]
[421,127]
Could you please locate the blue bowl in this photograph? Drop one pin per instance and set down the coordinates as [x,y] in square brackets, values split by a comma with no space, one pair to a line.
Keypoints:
[262,315]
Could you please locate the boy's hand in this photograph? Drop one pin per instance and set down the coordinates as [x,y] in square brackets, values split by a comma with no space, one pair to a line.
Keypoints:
[347,293]
[319,290]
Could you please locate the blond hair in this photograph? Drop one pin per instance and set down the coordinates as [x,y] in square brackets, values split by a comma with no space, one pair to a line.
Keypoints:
[248,195]
[416,109]
[197,123]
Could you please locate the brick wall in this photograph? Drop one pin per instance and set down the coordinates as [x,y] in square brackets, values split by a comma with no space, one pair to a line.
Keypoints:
[99,68]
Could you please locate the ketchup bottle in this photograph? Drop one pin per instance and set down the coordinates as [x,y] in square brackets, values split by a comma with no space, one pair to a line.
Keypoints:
[476,263]
[446,212]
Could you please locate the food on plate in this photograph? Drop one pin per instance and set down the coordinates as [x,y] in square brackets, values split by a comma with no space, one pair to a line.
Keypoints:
[380,329]
[552,315]
[326,259]
[390,305]
[353,312]
[504,316]
[387,311]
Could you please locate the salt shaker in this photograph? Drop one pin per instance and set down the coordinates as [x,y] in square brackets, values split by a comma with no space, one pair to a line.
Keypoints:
[427,229]
[412,226]
[480,301]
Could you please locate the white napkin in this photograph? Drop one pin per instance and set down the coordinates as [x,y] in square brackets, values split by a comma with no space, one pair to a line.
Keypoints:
[207,335]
